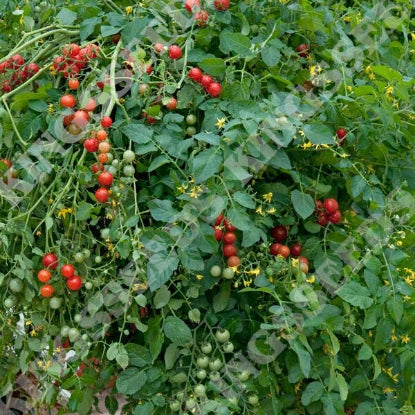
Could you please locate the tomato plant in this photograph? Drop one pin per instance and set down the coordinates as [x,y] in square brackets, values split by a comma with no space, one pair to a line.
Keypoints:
[207,207]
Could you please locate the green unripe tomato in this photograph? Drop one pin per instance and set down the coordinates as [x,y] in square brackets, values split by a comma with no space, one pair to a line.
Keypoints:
[128,170]
[115,163]
[110,158]
[105,233]
[222,335]
[190,404]
[79,257]
[253,399]
[55,303]
[112,170]
[86,252]
[244,375]
[16,285]
[88,285]
[201,374]
[64,331]
[214,376]
[191,131]
[128,156]
[202,362]
[77,318]
[98,259]
[215,364]
[200,390]
[191,119]
[10,302]
[73,334]
[84,337]
[215,271]
[233,400]
[228,347]
[206,347]
[228,273]
[175,406]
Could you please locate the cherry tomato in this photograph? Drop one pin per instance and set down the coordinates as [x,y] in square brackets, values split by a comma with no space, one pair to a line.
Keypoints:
[279,233]
[284,251]
[335,217]
[221,5]
[206,80]
[80,118]
[104,147]
[103,157]
[90,106]
[106,122]
[331,206]
[68,270]
[274,249]
[195,74]
[303,50]
[229,237]
[158,47]
[102,195]
[219,219]
[172,104]
[101,135]
[214,89]
[229,250]
[218,233]
[73,84]
[105,179]
[67,101]
[74,283]
[91,145]
[341,135]
[228,225]
[50,260]
[46,291]
[233,261]
[44,275]
[201,17]
[295,250]
[175,52]
[191,5]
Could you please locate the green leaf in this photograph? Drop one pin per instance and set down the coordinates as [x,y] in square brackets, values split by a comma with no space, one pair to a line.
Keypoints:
[318,133]
[87,27]
[358,184]
[131,380]
[213,66]
[138,355]
[84,211]
[386,72]
[303,203]
[162,297]
[365,352]
[131,221]
[171,354]
[138,133]
[66,16]
[303,357]
[158,162]
[160,268]
[145,408]
[395,308]
[312,393]
[207,163]
[132,31]
[355,294]
[177,331]
[154,336]
[162,210]
[271,53]
[194,315]
[95,302]
[235,42]
[244,199]
[109,30]
[342,385]
[221,299]
[122,356]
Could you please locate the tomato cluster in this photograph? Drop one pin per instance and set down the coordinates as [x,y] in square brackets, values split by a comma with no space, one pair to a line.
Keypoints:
[74,58]
[16,72]
[327,211]
[212,87]
[225,231]
[50,262]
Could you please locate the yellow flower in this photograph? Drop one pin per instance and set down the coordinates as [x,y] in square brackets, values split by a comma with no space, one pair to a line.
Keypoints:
[267,197]
[294,262]
[139,286]
[255,271]
[28,323]
[51,109]
[226,139]
[405,339]
[297,387]
[271,210]
[182,189]
[38,233]
[349,88]
[247,283]
[301,132]
[347,19]
[399,243]
[315,69]
[50,201]
[64,211]
[413,36]
[311,279]
[221,122]
[368,69]
[393,336]
[387,390]
[199,277]
[307,145]
[344,155]
[260,211]
[195,192]
[33,333]
[128,9]
[58,350]
[389,90]
[372,76]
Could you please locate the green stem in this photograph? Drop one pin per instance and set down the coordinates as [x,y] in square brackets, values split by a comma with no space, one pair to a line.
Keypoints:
[16,131]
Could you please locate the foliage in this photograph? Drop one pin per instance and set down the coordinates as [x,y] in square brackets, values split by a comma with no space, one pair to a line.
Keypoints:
[154,319]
